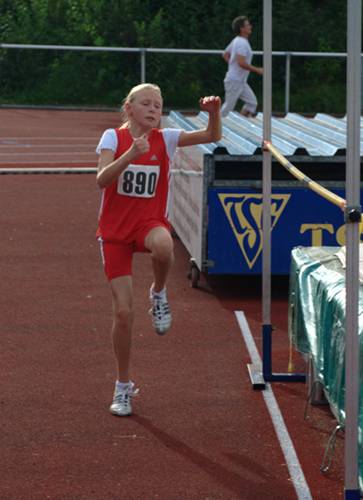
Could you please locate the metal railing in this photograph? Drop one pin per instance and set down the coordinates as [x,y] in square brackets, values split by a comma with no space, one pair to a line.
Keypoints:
[143,51]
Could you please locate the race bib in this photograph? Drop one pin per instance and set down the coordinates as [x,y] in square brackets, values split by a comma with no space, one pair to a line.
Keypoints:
[139,181]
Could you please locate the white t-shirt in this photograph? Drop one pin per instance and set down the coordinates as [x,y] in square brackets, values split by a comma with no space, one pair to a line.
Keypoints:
[170,136]
[238,46]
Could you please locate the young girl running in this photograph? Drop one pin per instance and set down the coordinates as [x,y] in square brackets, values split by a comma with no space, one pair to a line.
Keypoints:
[134,174]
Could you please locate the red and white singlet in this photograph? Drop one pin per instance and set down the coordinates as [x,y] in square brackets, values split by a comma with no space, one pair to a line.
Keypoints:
[141,192]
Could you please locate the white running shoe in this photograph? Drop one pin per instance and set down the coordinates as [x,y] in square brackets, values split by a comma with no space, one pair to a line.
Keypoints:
[160,312]
[121,404]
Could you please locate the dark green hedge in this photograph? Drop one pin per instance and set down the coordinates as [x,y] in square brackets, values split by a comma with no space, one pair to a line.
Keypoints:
[103,79]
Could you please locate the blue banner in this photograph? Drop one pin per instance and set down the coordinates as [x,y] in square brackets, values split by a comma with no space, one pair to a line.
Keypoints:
[299,217]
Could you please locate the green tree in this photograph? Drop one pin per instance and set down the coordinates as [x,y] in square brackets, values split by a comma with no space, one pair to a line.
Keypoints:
[100,78]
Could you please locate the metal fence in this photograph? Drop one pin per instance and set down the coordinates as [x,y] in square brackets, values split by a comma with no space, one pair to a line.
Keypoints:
[144,51]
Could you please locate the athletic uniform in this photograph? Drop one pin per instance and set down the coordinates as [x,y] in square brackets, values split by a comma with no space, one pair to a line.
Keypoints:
[137,201]
[235,82]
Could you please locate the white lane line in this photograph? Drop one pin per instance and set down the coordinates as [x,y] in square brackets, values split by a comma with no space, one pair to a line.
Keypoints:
[43,153]
[44,145]
[56,170]
[292,461]
[49,138]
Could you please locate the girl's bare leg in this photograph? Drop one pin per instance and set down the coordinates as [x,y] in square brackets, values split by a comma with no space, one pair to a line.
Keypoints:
[123,317]
[160,244]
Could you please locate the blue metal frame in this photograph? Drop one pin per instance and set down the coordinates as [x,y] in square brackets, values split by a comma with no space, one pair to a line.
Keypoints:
[268,375]
[352,495]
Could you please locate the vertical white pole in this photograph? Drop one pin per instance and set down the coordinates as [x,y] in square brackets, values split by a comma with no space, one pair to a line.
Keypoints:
[266,179]
[352,246]
[287,82]
[143,65]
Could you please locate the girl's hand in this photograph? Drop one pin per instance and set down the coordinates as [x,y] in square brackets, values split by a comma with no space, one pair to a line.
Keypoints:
[140,146]
[210,104]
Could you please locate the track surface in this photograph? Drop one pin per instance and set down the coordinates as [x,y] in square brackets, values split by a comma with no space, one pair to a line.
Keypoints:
[198,431]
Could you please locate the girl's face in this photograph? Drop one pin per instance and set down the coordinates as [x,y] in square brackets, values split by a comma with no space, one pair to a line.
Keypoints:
[145,109]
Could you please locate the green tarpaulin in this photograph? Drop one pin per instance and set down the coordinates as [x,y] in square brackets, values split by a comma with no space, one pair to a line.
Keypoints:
[317,323]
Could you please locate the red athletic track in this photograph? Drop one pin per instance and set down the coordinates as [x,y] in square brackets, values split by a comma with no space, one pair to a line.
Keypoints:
[199,431]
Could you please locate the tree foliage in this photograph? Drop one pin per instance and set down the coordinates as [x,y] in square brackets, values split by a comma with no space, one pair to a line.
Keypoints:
[103,78]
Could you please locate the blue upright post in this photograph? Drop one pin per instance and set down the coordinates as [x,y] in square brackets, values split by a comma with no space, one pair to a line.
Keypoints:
[352,495]
[267,352]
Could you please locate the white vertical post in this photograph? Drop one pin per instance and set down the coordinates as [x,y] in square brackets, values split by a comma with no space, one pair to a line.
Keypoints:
[266,178]
[143,65]
[287,82]
[352,246]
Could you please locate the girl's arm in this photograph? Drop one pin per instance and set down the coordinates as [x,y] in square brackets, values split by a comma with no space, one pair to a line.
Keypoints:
[109,169]
[213,132]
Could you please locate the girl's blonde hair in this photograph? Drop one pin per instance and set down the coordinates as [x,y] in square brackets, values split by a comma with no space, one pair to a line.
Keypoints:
[132,94]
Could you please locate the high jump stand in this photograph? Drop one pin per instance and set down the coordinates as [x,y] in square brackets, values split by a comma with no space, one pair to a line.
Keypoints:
[352,361]
[259,376]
